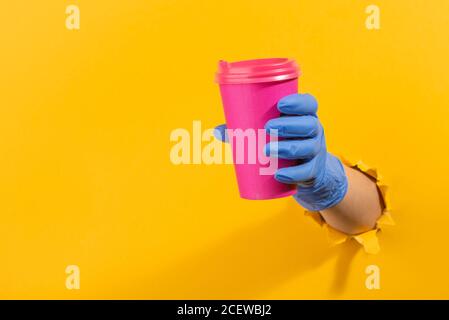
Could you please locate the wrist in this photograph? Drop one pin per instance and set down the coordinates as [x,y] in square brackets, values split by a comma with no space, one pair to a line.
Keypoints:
[327,190]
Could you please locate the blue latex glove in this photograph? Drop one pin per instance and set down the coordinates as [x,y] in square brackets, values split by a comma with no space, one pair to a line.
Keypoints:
[320,176]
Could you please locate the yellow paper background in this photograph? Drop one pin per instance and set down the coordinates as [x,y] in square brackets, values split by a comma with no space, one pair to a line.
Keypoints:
[85,173]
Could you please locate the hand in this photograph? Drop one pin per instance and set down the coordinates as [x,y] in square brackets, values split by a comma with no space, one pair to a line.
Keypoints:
[320,177]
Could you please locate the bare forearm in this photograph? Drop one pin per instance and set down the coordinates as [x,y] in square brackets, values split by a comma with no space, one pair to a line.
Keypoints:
[359,209]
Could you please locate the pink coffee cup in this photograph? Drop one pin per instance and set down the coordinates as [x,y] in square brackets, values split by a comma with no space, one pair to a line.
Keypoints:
[250,91]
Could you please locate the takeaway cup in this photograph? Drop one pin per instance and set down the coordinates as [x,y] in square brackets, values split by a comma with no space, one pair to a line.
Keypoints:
[250,91]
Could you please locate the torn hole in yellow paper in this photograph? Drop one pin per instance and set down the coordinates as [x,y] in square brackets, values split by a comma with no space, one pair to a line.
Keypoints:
[369,240]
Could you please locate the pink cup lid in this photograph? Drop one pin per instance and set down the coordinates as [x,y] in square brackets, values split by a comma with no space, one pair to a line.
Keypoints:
[256,71]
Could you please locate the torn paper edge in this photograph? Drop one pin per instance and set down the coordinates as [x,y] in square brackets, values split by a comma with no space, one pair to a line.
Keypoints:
[368,240]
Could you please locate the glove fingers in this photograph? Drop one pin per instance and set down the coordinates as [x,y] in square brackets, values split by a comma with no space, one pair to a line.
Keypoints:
[294,127]
[220,133]
[305,172]
[298,104]
[293,149]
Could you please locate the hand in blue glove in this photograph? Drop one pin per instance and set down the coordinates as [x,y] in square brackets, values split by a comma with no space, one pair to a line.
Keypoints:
[320,176]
